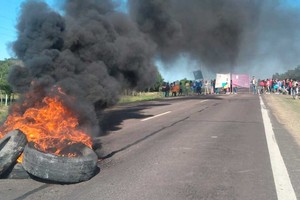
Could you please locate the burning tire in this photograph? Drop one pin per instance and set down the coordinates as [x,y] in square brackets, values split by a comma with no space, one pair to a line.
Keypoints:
[58,168]
[11,147]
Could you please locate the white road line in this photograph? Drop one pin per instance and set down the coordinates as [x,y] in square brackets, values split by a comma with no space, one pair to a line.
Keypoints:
[155,116]
[284,188]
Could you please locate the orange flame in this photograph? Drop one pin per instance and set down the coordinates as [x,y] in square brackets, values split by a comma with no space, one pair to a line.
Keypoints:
[50,125]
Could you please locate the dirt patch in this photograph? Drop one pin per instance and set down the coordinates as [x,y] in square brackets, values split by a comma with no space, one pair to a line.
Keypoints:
[287,111]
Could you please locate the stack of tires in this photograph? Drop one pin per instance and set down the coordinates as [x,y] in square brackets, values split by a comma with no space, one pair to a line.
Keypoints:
[43,165]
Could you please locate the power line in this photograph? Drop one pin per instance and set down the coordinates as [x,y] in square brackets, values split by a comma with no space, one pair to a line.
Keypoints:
[8,32]
[8,28]
[9,35]
[4,17]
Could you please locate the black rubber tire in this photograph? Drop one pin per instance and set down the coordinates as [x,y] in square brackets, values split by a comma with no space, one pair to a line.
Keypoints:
[11,147]
[16,171]
[60,169]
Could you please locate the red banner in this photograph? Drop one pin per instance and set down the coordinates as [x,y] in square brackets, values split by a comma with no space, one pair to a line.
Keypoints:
[240,80]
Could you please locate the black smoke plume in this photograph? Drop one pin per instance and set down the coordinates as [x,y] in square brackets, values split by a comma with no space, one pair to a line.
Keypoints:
[91,51]
[222,34]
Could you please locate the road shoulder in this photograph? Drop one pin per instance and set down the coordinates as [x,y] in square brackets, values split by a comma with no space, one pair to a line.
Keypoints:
[283,113]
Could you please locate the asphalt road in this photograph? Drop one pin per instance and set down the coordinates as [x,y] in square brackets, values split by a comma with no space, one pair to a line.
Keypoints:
[203,147]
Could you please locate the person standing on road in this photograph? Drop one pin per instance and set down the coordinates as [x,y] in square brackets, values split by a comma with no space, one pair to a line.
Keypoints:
[235,88]
[294,88]
[180,89]
[187,88]
[261,88]
[206,90]
[167,90]
[253,84]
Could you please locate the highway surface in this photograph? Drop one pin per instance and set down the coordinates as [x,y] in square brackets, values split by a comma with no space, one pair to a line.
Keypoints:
[209,147]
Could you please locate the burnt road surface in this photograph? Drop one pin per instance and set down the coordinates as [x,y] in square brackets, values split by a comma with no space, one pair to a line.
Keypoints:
[202,147]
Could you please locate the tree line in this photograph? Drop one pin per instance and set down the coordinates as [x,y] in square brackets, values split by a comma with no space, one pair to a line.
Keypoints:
[290,74]
[5,66]
[6,89]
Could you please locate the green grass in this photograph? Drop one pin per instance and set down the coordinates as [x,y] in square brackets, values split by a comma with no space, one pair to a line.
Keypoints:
[143,96]
[3,112]
[285,107]
[289,103]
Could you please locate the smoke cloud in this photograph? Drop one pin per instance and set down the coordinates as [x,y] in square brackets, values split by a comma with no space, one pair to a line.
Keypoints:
[223,35]
[91,51]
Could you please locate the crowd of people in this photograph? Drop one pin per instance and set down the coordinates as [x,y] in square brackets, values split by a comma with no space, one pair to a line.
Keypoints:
[204,87]
[198,87]
[286,86]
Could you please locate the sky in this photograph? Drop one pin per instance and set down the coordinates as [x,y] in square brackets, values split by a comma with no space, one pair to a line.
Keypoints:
[180,68]
[8,21]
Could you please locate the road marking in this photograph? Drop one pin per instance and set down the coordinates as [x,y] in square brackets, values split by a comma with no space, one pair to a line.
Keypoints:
[284,188]
[155,116]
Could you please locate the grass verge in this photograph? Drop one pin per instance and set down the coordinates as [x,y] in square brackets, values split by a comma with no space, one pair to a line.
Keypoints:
[142,96]
[287,111]
[3,112]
